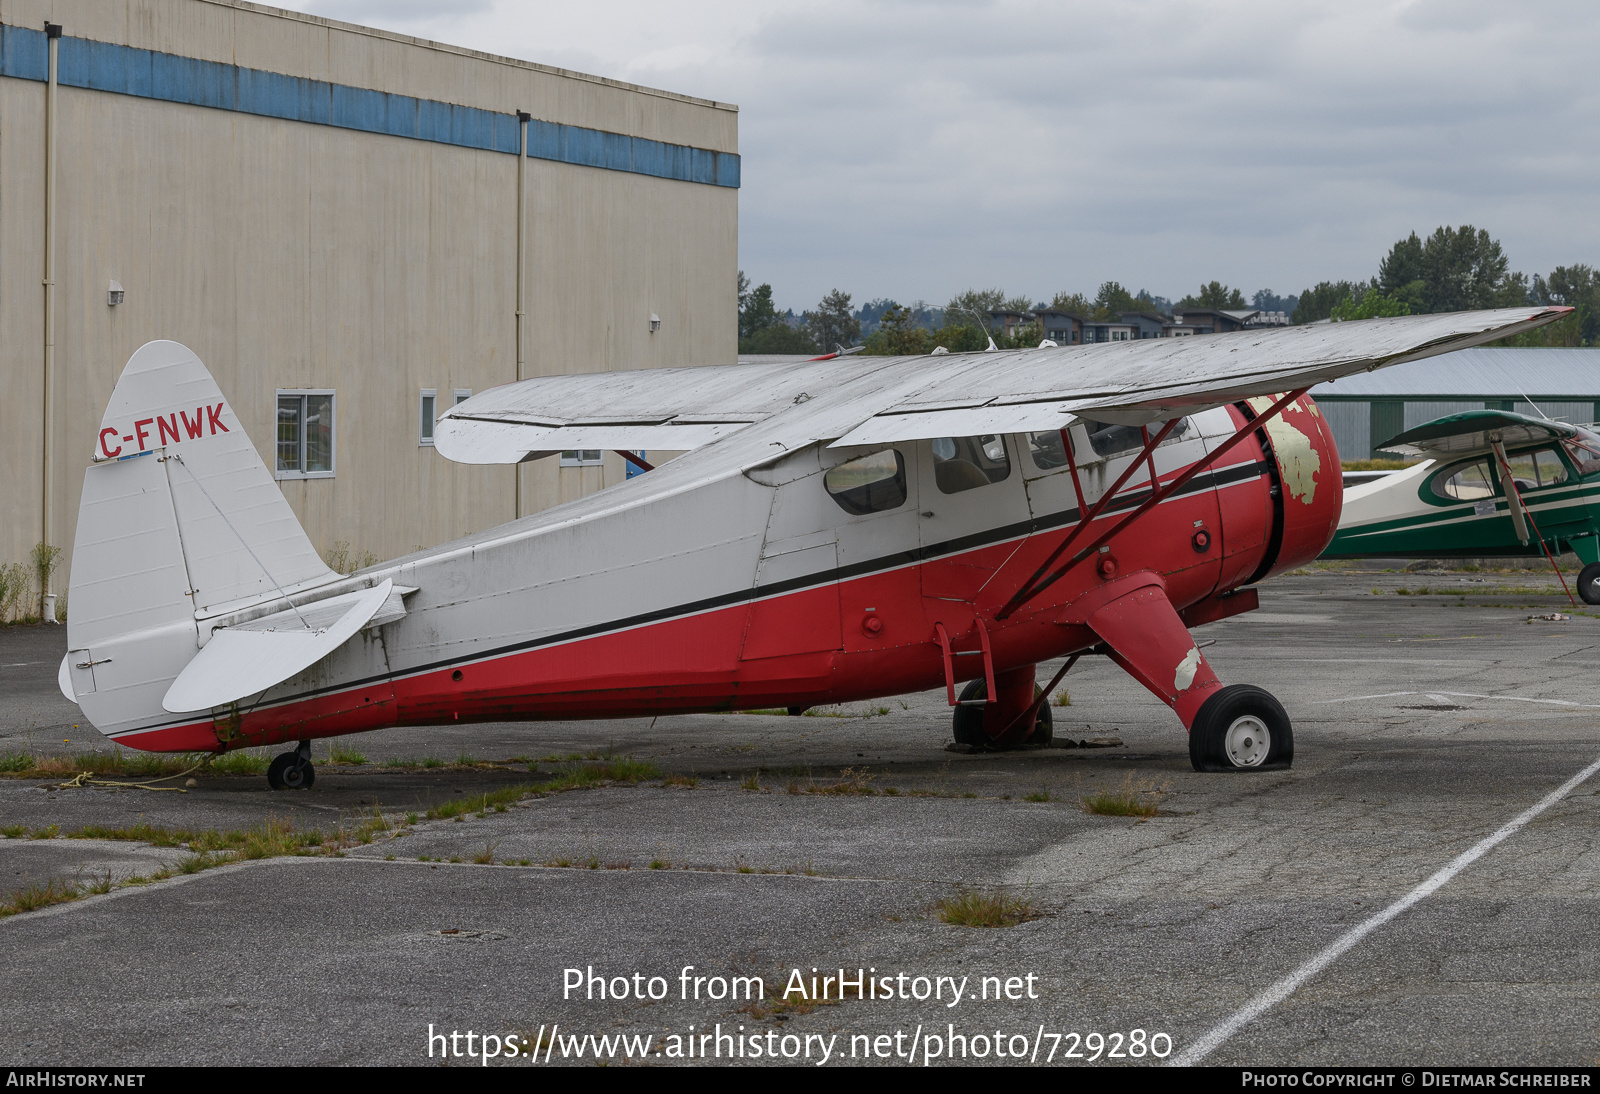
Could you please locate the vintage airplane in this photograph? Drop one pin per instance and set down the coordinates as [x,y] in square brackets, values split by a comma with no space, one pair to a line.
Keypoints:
[1494,484]
[838,530]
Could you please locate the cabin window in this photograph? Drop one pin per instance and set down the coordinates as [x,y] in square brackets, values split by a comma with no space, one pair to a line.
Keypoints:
[305,435]
[1047,450]
[1465,482]
[1535,470]
[1112,440]
[963,463]
[868,484]
[428,410]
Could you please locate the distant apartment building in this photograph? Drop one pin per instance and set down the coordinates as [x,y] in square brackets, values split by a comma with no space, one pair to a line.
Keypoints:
[1067,329]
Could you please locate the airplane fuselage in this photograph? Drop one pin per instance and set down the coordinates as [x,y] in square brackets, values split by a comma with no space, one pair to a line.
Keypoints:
[801,581]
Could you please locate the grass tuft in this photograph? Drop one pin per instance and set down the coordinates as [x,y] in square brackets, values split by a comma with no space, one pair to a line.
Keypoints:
[685,781]
[969,908]
[1135,798]
[338,754]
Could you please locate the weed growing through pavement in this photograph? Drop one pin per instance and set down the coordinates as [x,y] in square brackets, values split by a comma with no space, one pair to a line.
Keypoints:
[971,908]
[1135,798]
[339,754]
[685,781]
[1062,698]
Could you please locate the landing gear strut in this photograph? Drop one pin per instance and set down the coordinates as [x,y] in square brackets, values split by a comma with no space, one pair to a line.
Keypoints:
[968,721]
[1241,728]
[293,770]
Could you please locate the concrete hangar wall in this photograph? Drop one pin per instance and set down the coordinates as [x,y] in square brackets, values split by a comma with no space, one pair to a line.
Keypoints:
[315,206]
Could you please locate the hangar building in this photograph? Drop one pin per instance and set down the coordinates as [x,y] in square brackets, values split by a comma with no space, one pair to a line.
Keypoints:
[328,215]
[1367,409]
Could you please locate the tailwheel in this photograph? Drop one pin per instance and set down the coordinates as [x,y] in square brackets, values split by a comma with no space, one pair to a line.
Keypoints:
[968,720]
[293,770]
[1241,728]
[1589,583]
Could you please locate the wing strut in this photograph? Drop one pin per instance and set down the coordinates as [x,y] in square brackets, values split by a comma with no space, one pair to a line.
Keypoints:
[1028,592]
[1034,586]
[1519,508]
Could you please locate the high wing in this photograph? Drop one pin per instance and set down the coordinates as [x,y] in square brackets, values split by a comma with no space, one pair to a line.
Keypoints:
[1474,431]
[675,409]
[876,400]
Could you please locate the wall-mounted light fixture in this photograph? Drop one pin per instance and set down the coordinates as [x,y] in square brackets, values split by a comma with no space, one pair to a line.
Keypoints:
[114,294]
[655,322]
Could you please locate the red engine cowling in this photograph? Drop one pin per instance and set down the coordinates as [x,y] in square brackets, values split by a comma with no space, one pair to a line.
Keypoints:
[1310,490]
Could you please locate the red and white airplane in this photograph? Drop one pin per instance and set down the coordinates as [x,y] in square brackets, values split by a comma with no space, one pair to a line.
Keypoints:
[839,530]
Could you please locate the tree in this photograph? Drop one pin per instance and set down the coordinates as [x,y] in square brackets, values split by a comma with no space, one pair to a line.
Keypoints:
[1369,303]
[974,306]
[1318,303]
[1267,300]
[756,310]
[1074,303]
[898,335]
[1214,295]
[779,338]
[833,324]
[1454,269]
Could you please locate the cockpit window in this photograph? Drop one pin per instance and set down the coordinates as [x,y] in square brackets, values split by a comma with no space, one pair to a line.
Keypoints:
[963,463]
[1464,482]
[868,484]
[1584,451]
[1536,470]
[1047,450]
[1113,440]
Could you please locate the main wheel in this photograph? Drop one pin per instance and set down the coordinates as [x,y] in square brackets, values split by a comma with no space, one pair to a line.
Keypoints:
[289,772]
[1241,728]
[1589,583]
[967,722]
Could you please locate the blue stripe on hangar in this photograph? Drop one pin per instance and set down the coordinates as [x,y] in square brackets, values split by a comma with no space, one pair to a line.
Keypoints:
[147,74]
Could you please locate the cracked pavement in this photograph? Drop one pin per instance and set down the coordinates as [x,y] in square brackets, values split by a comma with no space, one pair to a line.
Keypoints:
[1423,723]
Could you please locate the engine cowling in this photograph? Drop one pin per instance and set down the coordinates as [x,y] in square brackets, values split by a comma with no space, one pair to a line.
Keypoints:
[1309,491]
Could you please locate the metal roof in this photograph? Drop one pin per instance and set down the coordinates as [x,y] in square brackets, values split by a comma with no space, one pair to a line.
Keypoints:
[1550,372]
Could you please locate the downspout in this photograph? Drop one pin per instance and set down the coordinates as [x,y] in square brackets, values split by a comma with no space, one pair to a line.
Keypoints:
[523,118]
[47,515]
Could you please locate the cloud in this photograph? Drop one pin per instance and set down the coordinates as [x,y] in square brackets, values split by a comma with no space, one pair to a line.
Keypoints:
[911,149]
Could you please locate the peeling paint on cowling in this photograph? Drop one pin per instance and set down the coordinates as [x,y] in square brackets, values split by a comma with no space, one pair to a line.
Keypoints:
[1298,460]
[1186,670]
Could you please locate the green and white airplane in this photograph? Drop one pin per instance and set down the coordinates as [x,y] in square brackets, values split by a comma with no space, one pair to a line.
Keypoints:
[1494,483]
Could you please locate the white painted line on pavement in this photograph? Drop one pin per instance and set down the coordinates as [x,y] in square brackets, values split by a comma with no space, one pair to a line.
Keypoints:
[1461,695]
[1286,987]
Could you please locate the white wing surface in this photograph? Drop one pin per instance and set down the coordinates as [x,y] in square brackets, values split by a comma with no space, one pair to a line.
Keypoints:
[865,400]
[674,409]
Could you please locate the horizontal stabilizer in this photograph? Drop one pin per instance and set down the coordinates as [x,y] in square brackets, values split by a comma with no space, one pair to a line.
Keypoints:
[252,657]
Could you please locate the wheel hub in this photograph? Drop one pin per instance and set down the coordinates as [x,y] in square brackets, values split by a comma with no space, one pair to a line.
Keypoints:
[1248,741]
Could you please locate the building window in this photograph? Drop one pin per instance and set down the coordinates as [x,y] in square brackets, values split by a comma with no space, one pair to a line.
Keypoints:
[305,434]
[428,407]
[583,457]
[462,395]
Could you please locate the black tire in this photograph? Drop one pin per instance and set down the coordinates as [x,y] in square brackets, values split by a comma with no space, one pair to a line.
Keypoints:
[967,722]
[1245,711]
[1589,583]
[288,773]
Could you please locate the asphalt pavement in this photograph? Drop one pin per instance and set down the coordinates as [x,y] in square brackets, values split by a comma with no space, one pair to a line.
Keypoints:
[1237,923]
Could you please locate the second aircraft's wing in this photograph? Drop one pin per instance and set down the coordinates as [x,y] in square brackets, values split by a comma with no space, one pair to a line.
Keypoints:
[1475,431]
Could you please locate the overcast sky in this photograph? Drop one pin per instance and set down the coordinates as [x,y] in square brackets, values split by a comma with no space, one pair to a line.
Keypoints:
[912,150]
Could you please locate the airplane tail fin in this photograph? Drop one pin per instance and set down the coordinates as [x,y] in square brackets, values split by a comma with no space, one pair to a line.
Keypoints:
[180,520]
